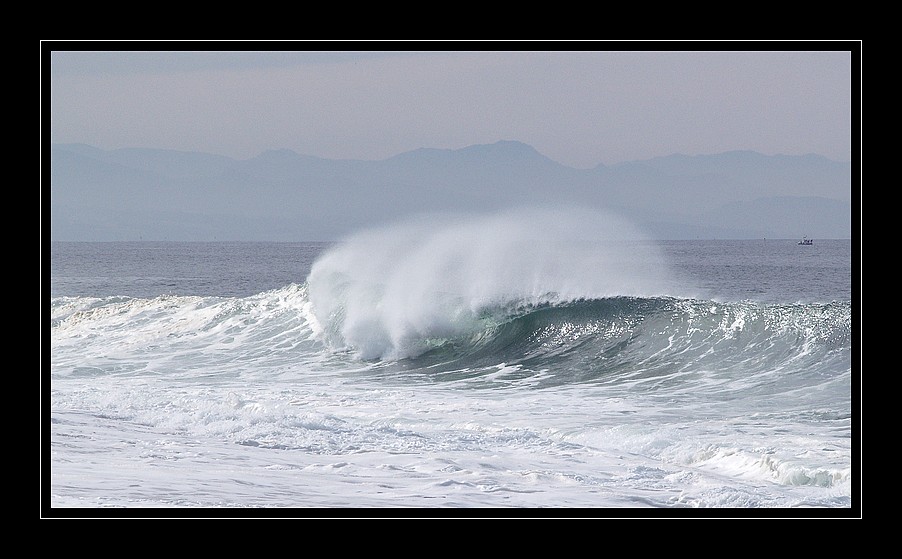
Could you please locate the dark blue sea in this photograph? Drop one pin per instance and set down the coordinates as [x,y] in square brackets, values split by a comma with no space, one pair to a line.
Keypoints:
[513,362]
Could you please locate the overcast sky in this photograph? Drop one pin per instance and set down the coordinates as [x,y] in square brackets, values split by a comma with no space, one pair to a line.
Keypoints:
[580,107]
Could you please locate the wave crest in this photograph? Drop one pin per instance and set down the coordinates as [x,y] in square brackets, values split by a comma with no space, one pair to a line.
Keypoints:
[388,293]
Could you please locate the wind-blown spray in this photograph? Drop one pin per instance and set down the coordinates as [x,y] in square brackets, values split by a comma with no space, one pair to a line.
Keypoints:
[396,291]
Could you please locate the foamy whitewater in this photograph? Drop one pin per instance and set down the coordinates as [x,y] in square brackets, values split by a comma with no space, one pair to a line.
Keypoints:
[528,359]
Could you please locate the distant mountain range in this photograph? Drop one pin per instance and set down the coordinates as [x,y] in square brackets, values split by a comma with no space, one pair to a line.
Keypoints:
[280,195]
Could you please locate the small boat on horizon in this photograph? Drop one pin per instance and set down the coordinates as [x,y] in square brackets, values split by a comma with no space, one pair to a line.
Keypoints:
[806,241]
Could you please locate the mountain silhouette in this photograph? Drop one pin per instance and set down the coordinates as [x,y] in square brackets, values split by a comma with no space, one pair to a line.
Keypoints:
[280,195]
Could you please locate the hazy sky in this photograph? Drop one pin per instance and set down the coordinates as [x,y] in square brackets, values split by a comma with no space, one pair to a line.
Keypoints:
[580,107]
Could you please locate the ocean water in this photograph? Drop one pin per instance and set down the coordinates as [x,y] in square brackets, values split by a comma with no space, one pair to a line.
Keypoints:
[528,363]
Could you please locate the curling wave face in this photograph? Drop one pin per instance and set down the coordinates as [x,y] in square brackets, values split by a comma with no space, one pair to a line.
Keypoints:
[653,342]
[646,341]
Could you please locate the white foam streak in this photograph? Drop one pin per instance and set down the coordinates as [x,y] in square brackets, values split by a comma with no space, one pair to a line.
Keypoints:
[199,332]
[384,292]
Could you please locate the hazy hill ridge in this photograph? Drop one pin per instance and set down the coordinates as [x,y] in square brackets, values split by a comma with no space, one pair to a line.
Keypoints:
[280,195]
